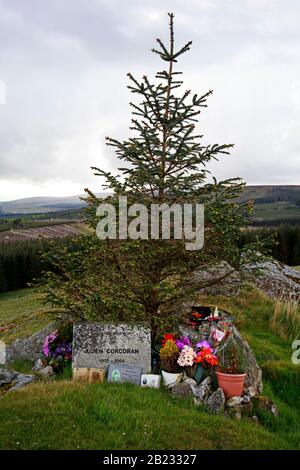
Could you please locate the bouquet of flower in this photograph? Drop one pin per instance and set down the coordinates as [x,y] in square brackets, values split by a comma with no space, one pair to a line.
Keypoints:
[57,348]
[199,357]
[169,354]
[205,356]
[181,352]
[187,353]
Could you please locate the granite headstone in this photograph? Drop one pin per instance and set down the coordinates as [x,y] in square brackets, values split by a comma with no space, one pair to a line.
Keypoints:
[100,344]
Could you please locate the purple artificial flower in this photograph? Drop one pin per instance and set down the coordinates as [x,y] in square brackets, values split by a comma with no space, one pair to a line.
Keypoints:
[62,349]
[204,344]
[182,341]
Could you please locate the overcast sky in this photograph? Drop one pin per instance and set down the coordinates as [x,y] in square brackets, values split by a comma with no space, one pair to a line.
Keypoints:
[63,65]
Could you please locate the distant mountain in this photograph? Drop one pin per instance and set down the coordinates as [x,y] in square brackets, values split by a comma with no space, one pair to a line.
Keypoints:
[273,204]
[269,194]
[39,205]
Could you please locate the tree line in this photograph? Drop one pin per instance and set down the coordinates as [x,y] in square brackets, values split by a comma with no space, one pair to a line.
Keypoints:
[287,241]
[22,262]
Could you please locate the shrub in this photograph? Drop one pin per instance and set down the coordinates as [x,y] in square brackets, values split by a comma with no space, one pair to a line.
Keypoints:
[231,358]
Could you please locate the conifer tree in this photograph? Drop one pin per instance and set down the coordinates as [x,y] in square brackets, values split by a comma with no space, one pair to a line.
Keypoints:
[164,160]
[167,158]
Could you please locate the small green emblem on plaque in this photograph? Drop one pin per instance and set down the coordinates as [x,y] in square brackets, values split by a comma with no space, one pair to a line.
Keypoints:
[115,375]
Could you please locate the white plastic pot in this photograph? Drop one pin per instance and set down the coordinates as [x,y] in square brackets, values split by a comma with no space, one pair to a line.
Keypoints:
[170,378]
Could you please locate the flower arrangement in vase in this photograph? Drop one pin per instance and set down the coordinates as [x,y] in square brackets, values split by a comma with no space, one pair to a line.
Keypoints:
[205,359]
[181,354]
[187,355]
[169,353]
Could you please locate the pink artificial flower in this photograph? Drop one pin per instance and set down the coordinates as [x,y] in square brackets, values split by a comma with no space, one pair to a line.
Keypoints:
[49,339]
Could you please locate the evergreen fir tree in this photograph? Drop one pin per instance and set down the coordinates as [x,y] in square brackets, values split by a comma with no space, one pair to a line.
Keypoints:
[165,161]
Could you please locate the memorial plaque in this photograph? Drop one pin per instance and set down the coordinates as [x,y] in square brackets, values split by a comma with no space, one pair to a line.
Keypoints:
[86,374]
[100,344]
[120,373]
[150,380]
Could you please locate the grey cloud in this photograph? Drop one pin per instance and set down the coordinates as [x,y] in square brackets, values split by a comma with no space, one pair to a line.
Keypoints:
[65,62]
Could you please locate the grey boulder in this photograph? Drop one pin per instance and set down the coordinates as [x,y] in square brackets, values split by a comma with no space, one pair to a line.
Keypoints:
[234,401]
[202,391]
[11,380]
[22,381]
[216,402]
[181,389]
[29,348]
[7,377]
[46,371]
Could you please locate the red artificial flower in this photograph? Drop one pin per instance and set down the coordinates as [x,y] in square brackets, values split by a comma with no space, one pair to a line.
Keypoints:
[197,360]
[168,337]
[206,358]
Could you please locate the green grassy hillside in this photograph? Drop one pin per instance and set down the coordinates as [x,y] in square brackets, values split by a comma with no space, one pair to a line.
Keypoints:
[22,313]
[63,415]
[273,204]
[68,416]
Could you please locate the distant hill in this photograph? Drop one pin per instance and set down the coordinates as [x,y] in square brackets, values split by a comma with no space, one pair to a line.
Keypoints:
[269,194]
[273,204]
[39,205]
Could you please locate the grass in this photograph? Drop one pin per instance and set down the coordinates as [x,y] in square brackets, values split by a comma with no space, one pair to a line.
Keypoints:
[285,320]
[22,313]
[276,210]
[69,416]
[64,415]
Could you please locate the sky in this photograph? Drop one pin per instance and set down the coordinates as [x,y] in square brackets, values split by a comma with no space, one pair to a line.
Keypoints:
[63,67]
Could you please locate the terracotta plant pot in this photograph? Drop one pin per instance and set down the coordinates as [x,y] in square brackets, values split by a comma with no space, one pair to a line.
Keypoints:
[170,379]
[232,384]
